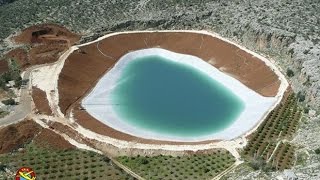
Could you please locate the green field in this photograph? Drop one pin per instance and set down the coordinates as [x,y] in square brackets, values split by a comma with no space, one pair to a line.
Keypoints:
[196,166]
[63,164]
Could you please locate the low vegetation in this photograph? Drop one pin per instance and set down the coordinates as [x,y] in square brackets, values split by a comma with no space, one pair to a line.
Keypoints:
[302,158]
[3,113]
[301,96]
[196,166]
[267,148]
[9,102]
[62,164]
[12,75]
[290,73]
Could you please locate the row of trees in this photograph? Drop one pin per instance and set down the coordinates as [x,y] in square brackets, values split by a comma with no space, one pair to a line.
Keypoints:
[280,124]
[63,164]
[197,166]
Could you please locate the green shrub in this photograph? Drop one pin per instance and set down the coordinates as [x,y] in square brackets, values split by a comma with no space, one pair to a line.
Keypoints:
[18,82]
[144,161]
[301,97]
[317,151]
[257,163]
[9,102]
[290,73]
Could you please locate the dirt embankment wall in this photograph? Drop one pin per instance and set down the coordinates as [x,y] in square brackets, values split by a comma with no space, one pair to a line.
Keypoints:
[40,100]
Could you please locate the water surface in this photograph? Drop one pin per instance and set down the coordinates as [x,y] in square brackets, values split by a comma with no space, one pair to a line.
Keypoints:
[166,97]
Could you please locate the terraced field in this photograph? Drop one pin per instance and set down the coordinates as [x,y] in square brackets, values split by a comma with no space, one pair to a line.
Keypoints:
[196,166]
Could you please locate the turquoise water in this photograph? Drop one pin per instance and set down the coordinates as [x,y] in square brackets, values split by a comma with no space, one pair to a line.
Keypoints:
[162,96]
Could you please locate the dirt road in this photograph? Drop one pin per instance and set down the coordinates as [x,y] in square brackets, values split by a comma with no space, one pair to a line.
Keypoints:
[24,108]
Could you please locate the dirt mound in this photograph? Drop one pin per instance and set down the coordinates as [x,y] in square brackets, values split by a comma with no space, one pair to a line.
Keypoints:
[49,139]
[46,33]
[15,136]
[40,100]
[3,66]
[47,42]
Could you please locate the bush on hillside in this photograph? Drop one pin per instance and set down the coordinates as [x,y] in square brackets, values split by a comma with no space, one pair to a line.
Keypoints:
[257,163]
[9,102]
[301,97]
[290,73]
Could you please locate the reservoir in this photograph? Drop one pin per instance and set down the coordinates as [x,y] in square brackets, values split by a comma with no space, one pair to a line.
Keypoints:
[156,94]
[162,95]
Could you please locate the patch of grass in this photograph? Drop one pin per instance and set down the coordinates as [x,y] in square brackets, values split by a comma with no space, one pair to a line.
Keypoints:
[197,166]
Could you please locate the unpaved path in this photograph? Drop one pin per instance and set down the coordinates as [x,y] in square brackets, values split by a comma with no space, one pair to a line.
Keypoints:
[126,169]
[24,108]
[229,169]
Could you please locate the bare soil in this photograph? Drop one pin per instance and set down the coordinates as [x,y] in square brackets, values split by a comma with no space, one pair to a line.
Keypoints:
[48,138]
[3,66]
[46,41]
[41,102]
[20,55]
[15,136]
[46,33]
[46,53]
